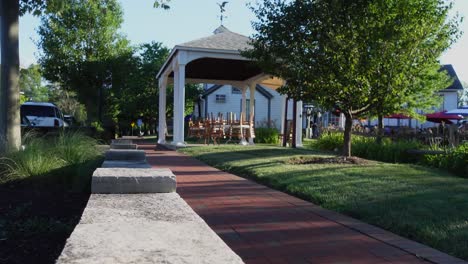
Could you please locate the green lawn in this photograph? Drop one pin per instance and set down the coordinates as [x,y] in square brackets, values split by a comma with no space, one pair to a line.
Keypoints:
[423,204]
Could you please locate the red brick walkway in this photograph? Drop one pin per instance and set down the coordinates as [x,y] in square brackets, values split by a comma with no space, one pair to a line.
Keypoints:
[266,226]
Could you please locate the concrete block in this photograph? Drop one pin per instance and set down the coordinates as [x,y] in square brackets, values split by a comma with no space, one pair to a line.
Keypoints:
[143,228]
[123,146]
[125,164]
[122,141]
[125,154]
[130,137]
[128,180]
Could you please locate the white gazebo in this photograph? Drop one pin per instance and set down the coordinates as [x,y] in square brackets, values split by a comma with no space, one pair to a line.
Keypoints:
[215,59]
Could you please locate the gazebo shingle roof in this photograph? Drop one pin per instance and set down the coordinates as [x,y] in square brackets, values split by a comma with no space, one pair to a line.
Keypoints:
[223,39]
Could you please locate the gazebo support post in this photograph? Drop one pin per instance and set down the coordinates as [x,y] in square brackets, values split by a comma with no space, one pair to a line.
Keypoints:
[243,115]
[252,113]
[162,110]
[298,124]
[284,113]
[179,105]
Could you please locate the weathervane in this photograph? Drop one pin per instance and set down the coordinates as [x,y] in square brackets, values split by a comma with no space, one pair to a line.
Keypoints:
[222,10]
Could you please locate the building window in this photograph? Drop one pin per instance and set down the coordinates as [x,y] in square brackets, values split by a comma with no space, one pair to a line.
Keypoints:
[220,98]
[333,120]
[235,90]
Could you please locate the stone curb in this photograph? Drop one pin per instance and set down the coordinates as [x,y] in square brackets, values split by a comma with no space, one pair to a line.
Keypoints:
[133,180]
[143,228]
[125,155]
[125,164]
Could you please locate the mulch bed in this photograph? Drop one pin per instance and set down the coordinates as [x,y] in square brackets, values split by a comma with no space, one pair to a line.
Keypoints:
[35,224]
[328,160]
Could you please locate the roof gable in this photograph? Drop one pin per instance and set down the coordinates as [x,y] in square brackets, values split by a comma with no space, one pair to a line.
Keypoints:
[456,85]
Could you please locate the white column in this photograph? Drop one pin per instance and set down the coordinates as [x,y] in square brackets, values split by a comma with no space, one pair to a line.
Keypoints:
[299,125]
[162,110]
[243,114]
[252,113]
[179,105]
[283,109]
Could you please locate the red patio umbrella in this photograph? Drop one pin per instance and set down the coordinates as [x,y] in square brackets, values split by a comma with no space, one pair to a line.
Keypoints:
[440,117]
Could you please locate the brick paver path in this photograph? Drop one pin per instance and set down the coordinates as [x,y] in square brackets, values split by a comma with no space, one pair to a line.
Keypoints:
[266,226]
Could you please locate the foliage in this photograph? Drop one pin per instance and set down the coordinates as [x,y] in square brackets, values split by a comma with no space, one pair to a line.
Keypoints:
[455,160]
[44,156]
[68,102]
[387,150]
[366,147]
[337,52]
[423,204]
[77,47]
[31,84]
[266,135]
[329,141]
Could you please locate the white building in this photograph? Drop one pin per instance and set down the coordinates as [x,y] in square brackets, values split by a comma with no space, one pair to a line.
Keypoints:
[227,98]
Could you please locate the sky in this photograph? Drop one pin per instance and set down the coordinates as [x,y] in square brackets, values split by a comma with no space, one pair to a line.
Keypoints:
[189,20]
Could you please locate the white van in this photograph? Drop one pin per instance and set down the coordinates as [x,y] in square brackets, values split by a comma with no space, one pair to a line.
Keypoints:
[42,114]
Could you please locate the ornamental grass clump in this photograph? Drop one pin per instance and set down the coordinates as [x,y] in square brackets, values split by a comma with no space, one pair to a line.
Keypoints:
[48,156]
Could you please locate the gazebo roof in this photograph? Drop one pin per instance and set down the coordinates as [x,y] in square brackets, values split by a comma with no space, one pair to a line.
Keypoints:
[217,59]
[223,39]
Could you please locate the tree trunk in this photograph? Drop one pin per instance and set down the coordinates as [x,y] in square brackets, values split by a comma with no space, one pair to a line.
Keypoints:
[10,129]
[347,135]
[380,129]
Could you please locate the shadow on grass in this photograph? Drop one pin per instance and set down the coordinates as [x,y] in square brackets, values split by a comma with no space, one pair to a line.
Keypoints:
[38,214]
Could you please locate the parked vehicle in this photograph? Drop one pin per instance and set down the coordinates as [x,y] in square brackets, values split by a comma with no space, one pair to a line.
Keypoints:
[42,115]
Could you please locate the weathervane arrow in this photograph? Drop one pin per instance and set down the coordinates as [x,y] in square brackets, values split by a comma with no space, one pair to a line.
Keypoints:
[222,8]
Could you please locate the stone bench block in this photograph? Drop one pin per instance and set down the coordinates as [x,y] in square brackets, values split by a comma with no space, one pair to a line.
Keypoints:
[133,180]
[122,141]
[143,228]
[125,164]
[123,146]
[126,155]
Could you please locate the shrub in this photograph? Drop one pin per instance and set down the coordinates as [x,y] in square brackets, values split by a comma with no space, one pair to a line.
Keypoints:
[387,151]
[455,161]
[330,141]
[266,135]
[366,147]
[58,159]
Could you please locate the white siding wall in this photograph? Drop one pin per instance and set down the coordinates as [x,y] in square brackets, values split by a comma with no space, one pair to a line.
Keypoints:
[450,100]
[233,104]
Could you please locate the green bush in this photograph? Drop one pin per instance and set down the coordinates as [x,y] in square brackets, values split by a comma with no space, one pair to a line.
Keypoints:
[60,160]
[266,135]
[387,151]
[366,147]
[455,161]
[330,141]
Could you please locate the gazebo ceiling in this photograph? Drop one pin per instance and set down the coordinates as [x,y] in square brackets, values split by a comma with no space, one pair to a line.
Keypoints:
[221,69]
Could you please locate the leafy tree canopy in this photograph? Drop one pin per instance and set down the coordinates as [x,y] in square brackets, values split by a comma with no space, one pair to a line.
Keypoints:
[351,54]
[77,46]
[32,84]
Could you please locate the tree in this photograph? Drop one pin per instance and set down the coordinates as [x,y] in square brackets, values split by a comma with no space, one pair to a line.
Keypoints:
[68,102]
[10,133]
[326,50]
[406,39]
[31,84]
[77,44]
